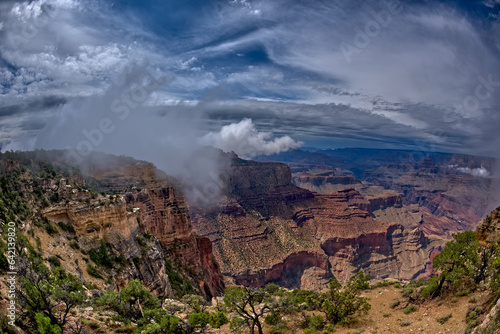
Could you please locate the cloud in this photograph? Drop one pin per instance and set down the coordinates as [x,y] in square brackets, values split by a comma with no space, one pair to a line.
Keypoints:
[478,172]
[245,140]
[282,68]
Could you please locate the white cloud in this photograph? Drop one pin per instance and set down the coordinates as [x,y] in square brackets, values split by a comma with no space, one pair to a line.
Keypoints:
[245,140]
[478,172]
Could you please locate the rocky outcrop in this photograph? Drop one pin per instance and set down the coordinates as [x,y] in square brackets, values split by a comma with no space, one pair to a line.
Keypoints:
[265,187]
[106,219]
[489,229]
[385,200]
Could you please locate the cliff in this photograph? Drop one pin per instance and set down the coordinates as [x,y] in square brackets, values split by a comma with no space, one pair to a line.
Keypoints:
[130,208]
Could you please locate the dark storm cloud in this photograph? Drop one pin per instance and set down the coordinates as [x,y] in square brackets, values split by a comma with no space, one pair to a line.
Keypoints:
[312,70]
[35,106]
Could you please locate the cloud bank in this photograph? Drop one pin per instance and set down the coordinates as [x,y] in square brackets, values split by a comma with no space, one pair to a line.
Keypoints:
[246,141]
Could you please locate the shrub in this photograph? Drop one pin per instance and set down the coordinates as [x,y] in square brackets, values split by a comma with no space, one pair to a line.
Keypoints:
[67,227]
[405,323]
[169,323]
[317,322]
[472,318]
[431,288]
[386,315]
[45,326]
[458,263]
[101,258]
[54,260]
[473,300]
[92,271]
[463,292]
[444,319]
[125,329]
[180,285]
[51,229]
[199,320]
[272,318]
[341,304]
[410,308]
[272,288]
[278,327]
[395,303]
[218,319]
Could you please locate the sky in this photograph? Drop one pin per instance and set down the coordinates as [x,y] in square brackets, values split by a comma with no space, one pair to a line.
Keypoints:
[159,79]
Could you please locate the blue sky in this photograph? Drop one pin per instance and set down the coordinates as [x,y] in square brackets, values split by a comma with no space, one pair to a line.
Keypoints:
[255,77]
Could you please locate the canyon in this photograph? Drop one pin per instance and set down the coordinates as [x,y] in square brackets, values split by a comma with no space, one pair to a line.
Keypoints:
[296,222]
[306,217]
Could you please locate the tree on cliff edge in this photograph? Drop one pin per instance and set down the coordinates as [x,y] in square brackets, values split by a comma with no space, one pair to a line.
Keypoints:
[249,303]
[458,262]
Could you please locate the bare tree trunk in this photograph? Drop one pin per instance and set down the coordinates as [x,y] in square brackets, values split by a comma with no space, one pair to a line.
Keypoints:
[259,327]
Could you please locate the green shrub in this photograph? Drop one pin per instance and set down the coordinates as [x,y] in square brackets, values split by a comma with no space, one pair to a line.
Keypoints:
[405,323]
[45,326]
[386,315]
[55,261]
[50,228]
[272,288]
[125,329]
[395,303]
[444,319]
[463,292]
[473,300]
[473,313]
[218,319]
[410,309]
[180,285]
[431,288]
[276,329]
[317,322]
[199,320]
[273,318]
[66,227]
[342,303]
[101,258]
[5,328]
[169,323]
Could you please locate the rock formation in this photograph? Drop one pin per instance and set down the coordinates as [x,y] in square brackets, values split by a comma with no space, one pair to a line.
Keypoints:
[265,229]
[136,211]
